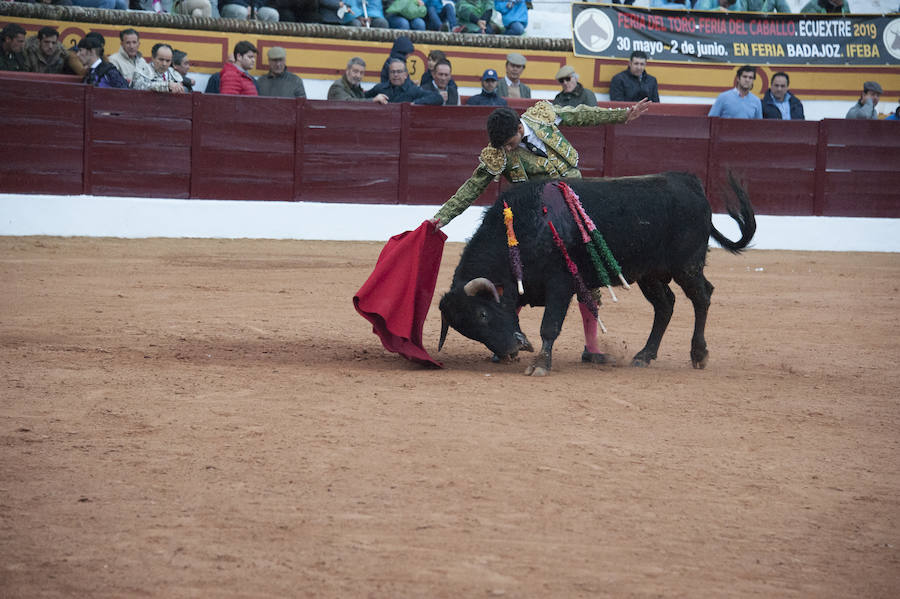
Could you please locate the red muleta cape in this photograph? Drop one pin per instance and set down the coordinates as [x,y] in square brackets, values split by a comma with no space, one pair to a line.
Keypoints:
[396,296]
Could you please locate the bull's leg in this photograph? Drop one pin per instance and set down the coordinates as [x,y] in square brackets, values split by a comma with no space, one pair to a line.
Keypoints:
[699,291]
[661,297]
[592,351]
[551,325]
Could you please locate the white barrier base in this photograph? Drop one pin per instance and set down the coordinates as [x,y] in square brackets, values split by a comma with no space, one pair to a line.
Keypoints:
[93,216]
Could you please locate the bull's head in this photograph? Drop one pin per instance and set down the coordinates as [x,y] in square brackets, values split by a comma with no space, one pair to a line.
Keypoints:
[476,311]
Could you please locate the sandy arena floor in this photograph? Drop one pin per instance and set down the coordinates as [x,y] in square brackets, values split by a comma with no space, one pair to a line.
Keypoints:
[207,418]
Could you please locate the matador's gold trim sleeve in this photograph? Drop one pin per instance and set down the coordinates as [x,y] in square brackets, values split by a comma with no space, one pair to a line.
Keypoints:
[467,193]
[588,116]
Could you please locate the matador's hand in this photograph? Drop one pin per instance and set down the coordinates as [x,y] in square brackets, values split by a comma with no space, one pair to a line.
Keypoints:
[638,109]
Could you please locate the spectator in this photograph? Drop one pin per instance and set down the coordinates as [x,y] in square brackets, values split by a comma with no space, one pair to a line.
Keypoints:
[634,83]
[192,8]
[182,66]
[894,116]
[826,6]
[235,78]
[530,147]
[295,11]
[868,100]
[443,83]
[515,15]
[279,82]
[732,5]
[375,14]
[738,102]
[99,72]
[573,93]
[434,57]
[677,4]
[12,58]
[107,4]
[164,78]
[440,15]
[488,95]
[475,15]
[44,54]
[406,14]
[247,9]
[402,48]
[348,87]
[511,86]
[129,59]
[399,88]
[767,6]
[779,103]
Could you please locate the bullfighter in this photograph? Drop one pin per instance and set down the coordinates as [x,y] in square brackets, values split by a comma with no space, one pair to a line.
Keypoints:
[531,147]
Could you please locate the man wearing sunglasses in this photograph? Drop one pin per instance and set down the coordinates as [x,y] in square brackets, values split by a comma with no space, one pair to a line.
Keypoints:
[573,93]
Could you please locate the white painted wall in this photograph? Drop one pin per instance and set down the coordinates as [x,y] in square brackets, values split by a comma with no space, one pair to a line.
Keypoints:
[90,216]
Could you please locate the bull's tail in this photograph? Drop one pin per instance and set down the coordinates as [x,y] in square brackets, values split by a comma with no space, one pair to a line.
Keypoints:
[740,209]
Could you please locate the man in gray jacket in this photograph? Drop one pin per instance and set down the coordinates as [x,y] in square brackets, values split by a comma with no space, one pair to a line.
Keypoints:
[348,87]
[868,100]
[511,86]
[279,82]
[573,93]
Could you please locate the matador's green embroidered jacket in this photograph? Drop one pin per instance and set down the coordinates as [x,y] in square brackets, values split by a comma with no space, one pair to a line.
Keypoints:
[520,164]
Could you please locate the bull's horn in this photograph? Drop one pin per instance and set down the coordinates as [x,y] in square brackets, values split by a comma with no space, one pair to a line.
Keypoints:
[479,285]
[445,326]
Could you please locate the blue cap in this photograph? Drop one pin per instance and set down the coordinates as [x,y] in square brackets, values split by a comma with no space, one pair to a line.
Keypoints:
[489,74]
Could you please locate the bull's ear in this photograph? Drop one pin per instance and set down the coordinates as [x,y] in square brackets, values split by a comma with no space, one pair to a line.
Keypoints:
[481,285]
[445,326]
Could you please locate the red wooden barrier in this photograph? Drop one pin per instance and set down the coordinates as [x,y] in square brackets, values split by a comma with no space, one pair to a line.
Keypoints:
[775,159]
[658,143]
[349,152]
[861,170]
[138,143]
[42,145]
[70,139]
[243,148]
[442,148]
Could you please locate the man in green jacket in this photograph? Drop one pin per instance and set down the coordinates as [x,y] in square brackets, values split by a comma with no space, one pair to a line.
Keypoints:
[531,146]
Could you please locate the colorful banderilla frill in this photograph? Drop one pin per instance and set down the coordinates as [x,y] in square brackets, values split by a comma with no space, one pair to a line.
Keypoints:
[515,257]
[581,290]
[593,241]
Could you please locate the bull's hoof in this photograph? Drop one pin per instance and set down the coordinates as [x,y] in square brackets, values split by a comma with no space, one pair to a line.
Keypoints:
[496,359]
[536,371]
[598,358]
[701,363]
[640,362]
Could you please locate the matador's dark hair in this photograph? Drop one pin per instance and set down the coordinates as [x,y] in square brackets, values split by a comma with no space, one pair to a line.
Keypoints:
[501,125]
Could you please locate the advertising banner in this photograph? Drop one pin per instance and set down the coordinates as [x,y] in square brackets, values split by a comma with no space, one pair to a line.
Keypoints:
[615,31]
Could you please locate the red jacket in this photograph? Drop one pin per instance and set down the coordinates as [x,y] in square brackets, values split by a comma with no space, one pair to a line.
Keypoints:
[236,82]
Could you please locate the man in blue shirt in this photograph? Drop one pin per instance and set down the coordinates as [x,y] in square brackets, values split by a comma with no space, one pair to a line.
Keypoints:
[738,102]
[779,103]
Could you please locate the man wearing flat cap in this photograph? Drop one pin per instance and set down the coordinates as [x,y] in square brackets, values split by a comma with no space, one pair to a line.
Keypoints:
[488,95]
[531,146]
[511,86]
[279,82]
[868,100]
[573,93]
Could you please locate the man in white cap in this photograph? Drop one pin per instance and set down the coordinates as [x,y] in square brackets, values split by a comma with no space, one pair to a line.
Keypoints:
[511,86]
[868,100]
[573,93]
[279,82]
[488,95]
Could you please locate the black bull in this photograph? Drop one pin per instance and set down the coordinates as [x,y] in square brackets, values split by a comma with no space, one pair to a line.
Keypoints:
[657,226]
